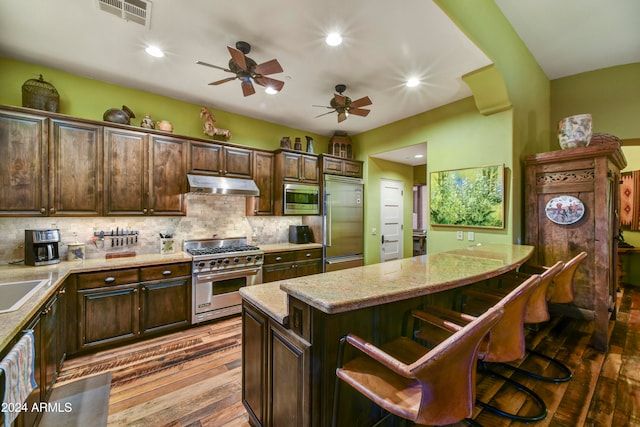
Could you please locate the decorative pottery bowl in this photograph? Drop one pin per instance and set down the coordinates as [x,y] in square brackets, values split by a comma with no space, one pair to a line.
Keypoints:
[575,131]
[164,125]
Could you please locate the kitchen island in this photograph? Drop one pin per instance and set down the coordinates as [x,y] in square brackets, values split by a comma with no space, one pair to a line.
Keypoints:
[291,327]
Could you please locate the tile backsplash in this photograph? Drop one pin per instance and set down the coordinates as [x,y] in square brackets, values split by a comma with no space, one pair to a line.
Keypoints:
[207,215]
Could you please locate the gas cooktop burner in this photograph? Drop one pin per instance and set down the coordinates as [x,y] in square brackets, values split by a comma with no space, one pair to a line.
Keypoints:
[221,249]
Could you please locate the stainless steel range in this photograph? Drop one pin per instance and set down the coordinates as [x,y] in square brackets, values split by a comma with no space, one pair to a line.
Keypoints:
[220,268]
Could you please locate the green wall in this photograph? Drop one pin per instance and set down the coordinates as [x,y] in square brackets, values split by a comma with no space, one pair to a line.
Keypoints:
[612,97]
[89,99]
[459,136]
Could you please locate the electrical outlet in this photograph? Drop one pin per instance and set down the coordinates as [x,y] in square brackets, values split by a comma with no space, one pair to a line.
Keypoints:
[460,235]
[471,236]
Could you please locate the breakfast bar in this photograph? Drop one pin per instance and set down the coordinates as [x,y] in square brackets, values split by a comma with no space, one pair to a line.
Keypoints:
[291,328]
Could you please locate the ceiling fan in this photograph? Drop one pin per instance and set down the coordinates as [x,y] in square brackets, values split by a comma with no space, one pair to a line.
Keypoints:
[344,106]
[248,71]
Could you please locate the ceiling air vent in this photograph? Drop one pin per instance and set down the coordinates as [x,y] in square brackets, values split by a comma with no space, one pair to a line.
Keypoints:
[138,11]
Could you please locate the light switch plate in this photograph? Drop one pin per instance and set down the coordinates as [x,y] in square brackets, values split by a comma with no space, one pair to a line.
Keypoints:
[460,235]
[471,236]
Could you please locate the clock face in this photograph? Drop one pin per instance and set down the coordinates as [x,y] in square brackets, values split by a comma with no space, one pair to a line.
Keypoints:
[564,210]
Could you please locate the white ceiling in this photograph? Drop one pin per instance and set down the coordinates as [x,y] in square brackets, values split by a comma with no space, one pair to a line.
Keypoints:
[382,47]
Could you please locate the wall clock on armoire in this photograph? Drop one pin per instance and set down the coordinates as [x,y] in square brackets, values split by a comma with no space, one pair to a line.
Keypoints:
[571,205]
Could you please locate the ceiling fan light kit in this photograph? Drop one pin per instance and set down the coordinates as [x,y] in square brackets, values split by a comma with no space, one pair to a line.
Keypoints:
[248,71]
[344,106]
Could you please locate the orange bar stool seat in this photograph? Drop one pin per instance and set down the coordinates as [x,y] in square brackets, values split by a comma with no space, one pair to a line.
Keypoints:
[425,386]
[506,338]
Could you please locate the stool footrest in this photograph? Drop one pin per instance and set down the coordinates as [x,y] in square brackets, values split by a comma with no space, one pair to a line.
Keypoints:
[561,366]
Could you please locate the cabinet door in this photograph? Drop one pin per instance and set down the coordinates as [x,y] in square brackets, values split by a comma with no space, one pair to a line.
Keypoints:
[126,178]
[50,319]
[37,395]
[290,365]
[238,162]
[332,166]
[271,273]
[352,168]
[291,166]
[165,305]
[263,177]
[309,171]
[107,316]
[206,159]
[23,165]
[168,172]
[254,363]
[75,174]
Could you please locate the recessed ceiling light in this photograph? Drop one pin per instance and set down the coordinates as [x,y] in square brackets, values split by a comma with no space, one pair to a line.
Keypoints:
[154,51]
[333,39]
[270,90]
[413,82]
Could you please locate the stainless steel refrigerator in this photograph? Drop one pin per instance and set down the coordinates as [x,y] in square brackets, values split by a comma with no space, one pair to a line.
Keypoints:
[342,223]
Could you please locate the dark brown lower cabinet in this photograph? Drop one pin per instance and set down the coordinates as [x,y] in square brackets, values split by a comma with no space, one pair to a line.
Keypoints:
[275,372]
[120,306]
[290,264]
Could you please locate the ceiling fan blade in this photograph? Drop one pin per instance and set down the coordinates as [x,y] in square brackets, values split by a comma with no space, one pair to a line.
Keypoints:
[340,100]
[228,79]
[362,102]
[269,67]
[359,111]
[269,82]
[238,57]
[247,88]
[342,117]
[214,66]
[323,114]
[323,106]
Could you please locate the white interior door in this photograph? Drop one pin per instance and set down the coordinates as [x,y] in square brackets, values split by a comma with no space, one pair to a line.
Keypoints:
[391,194]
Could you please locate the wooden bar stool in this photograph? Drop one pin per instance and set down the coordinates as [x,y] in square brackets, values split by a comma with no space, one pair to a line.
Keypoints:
[432,387]
[506,343]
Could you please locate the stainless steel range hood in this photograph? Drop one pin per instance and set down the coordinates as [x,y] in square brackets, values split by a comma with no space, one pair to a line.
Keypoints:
[204,184]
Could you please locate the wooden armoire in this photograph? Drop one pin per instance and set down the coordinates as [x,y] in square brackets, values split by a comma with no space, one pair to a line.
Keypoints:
[591,175]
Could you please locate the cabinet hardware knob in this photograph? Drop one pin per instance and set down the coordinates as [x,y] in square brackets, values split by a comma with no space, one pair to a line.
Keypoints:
[167,272]
[144,210]
[43,210]
[52,210]
[109,279]
[62,291]
[308,255]
[278,258]
[151,210]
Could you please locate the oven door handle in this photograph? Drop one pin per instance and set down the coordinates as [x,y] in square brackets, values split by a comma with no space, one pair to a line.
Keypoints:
[227,274]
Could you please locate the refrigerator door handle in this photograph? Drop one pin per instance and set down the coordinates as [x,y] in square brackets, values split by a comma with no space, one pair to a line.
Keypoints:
[383,239]
[327,200]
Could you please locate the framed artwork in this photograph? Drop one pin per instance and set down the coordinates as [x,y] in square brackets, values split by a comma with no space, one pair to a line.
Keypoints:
[471,197]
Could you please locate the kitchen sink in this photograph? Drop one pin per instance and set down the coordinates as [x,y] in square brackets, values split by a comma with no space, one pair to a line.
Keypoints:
[14,294]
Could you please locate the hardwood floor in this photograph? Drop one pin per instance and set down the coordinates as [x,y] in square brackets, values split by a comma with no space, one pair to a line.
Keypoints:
[192,378]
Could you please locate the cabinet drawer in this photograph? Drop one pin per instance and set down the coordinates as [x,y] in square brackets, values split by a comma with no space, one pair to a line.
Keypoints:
[308,254]
[277,257]
[166,271]
[107,278]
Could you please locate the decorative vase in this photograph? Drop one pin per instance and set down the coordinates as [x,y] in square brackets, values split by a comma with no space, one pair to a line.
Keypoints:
[575,131]
[165,125]
[147,123]
[115,115]
[298,145]
[309,144]
[285,142]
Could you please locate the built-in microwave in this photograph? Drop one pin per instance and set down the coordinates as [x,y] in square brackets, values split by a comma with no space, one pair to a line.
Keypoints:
[301,199]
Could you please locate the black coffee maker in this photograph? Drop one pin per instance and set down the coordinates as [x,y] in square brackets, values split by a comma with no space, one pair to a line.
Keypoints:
[41,247]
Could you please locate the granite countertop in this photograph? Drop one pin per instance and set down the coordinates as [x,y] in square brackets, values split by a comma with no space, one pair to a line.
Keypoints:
[376,284]
[12,322]
[278,247]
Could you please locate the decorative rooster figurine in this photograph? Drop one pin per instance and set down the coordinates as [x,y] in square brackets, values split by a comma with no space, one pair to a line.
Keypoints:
[209,126]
